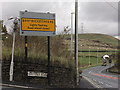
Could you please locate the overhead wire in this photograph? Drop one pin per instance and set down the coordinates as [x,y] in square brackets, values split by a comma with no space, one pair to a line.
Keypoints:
[111,6]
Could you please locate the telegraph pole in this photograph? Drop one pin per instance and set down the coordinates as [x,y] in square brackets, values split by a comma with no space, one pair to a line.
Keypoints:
[76,41]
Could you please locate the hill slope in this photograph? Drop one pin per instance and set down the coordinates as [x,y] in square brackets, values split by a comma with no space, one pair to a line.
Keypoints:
[100,37]
[94,41]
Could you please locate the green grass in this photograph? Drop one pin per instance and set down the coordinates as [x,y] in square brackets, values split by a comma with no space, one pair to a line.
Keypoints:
[100,54]
[94,41]
[82,68]
[100,37]
[85,60]
[6,52]
[37,47]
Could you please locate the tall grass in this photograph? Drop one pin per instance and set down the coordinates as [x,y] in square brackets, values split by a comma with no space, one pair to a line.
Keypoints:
[117,63]
[37,49]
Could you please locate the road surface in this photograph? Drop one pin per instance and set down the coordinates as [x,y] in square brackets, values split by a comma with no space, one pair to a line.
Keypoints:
[92,78]
[100,79]
[17,87]
[13,88]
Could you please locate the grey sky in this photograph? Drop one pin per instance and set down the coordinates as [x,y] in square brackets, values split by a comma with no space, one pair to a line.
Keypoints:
[98,17]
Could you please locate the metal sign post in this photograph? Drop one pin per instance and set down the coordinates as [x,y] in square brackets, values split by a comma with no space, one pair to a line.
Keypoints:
[26,61]
[37,24]
[48,60]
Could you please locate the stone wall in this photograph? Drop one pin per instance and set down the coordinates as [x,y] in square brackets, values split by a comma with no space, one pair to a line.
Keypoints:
[60,75]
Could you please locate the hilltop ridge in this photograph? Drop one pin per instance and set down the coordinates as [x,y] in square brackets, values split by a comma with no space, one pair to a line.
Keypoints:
[94,41]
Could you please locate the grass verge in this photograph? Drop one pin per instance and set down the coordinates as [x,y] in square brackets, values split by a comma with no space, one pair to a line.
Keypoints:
[82,68]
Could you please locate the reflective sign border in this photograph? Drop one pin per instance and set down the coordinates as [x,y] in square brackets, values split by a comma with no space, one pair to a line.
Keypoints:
[36,15]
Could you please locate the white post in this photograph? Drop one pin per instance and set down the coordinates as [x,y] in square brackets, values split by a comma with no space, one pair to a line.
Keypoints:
[81,57]
[72,32]
[97,55]
[89,56]
[12,63]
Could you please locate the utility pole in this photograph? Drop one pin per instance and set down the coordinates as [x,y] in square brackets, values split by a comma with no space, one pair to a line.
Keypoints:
[76,41]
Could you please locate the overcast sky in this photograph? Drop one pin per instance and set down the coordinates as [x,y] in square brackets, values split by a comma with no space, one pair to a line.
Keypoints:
[97,17]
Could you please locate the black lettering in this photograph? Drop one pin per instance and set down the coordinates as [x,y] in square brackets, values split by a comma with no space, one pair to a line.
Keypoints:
[45,25]
[30,27]
[33,24]
[23,20]
[28,20]
[40,25]
[45,28]
[37,28]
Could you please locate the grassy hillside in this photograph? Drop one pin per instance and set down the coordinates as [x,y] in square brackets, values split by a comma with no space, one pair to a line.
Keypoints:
[37,49]
[60,47]
[101,38]
[95,41]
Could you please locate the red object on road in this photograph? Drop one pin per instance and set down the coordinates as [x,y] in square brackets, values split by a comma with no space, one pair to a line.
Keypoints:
[104,76]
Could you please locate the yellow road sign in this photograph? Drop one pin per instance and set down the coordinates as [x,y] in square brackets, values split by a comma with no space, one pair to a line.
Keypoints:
[34,24]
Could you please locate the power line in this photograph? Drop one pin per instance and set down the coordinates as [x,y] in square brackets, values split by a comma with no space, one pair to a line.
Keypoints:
[111,5]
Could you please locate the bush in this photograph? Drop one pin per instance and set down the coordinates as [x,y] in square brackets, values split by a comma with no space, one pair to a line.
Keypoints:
[37,48]
[117,63]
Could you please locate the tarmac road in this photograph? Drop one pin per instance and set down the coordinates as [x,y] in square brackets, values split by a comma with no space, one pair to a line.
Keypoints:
[92,78]
[13,88]
[100,79]
[20,88]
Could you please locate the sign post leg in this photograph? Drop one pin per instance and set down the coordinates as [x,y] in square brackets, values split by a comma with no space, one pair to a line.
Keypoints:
[48,60]
[26,61]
